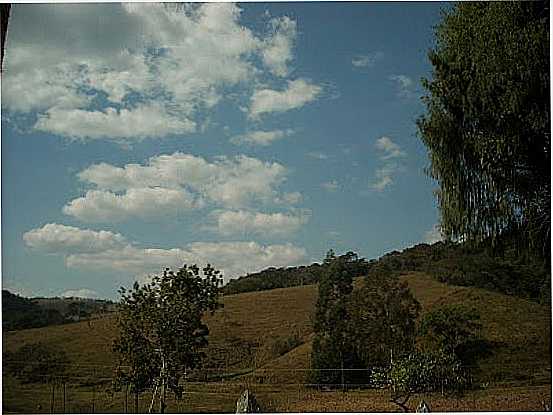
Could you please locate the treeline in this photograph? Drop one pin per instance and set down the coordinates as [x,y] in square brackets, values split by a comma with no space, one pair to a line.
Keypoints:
[23,313]
[271,278]
[472,265]
[454,263]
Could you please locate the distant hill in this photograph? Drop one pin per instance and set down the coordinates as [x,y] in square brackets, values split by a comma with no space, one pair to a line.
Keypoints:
[455,263]
[24,313]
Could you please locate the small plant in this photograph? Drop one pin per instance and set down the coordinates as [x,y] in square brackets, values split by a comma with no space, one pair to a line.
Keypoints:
[283,345]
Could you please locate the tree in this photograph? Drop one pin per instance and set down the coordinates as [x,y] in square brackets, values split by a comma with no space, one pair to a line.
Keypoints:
[487,124]
[161,333]
[383,315]
[330,355]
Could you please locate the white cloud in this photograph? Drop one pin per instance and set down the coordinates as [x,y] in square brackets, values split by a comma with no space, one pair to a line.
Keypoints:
[136,123]
[104,250]
[390,154]
[298,93]
[129,71]
[80,293]
[384,177]
[261,138]
[405,85]
[330,186]
[172,184]
[150,202]
[56,238]
[278,51]
[367,61]
[232,258]
[433,235]
[389,149]
[262,224]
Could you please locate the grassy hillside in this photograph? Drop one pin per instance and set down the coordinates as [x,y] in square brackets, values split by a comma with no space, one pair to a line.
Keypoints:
[516,375]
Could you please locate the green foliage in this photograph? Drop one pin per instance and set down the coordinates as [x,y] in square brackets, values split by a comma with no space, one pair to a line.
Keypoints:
[160,325]
[36,362]
[422,372]
[359,329]
[487,126]
[450,329]
[331,348]
[382,313]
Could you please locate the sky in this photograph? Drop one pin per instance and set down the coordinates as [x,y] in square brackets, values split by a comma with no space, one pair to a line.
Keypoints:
[142,136]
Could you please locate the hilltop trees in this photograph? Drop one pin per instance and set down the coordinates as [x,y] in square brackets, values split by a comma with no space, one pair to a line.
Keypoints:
[487,126]
[161,333]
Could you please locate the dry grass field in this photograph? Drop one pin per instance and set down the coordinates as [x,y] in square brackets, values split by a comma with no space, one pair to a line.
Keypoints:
[515,376]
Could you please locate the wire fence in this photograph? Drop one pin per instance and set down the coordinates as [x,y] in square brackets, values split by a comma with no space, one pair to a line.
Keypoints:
[86,389]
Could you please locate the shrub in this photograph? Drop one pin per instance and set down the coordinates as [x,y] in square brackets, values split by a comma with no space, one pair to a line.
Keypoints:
[283,345]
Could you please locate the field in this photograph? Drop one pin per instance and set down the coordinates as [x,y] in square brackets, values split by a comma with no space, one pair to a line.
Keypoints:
[516,375]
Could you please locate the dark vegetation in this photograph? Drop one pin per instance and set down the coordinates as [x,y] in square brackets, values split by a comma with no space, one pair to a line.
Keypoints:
[271,278]
[371,336]
[23,313]
[470,265]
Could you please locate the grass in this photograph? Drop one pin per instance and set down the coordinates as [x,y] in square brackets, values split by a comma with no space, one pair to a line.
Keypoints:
[515,376]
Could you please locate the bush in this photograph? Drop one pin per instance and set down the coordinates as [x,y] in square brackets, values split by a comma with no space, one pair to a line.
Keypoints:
[283,345]
[422,372]
[450,329]
[36,362]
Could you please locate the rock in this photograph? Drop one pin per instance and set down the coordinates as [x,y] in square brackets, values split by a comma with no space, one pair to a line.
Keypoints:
[247,404]
[423,407]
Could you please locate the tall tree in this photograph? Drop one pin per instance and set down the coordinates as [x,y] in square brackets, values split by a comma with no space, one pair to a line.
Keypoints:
[331,353]
[161,333]
[487,125]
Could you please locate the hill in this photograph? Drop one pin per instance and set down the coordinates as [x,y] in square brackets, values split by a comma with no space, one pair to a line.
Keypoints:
[23,313]
[516,374]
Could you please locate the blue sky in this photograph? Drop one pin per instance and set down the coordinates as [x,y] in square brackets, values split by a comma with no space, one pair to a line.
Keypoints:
[250,135]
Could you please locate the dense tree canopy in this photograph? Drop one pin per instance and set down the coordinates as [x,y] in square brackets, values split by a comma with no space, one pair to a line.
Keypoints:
[487,125]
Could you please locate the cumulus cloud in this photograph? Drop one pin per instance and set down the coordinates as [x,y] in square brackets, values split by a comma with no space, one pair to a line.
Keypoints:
[136,123]
[80,293]
[261,138]
[390,155]
[106,206]
[297,94]
[367,61]
[130,71]
[172,184]
[104,250]
[56,238]
[262,224]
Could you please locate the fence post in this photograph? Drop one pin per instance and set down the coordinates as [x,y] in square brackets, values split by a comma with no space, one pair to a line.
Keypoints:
[52,400]
[64,391]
